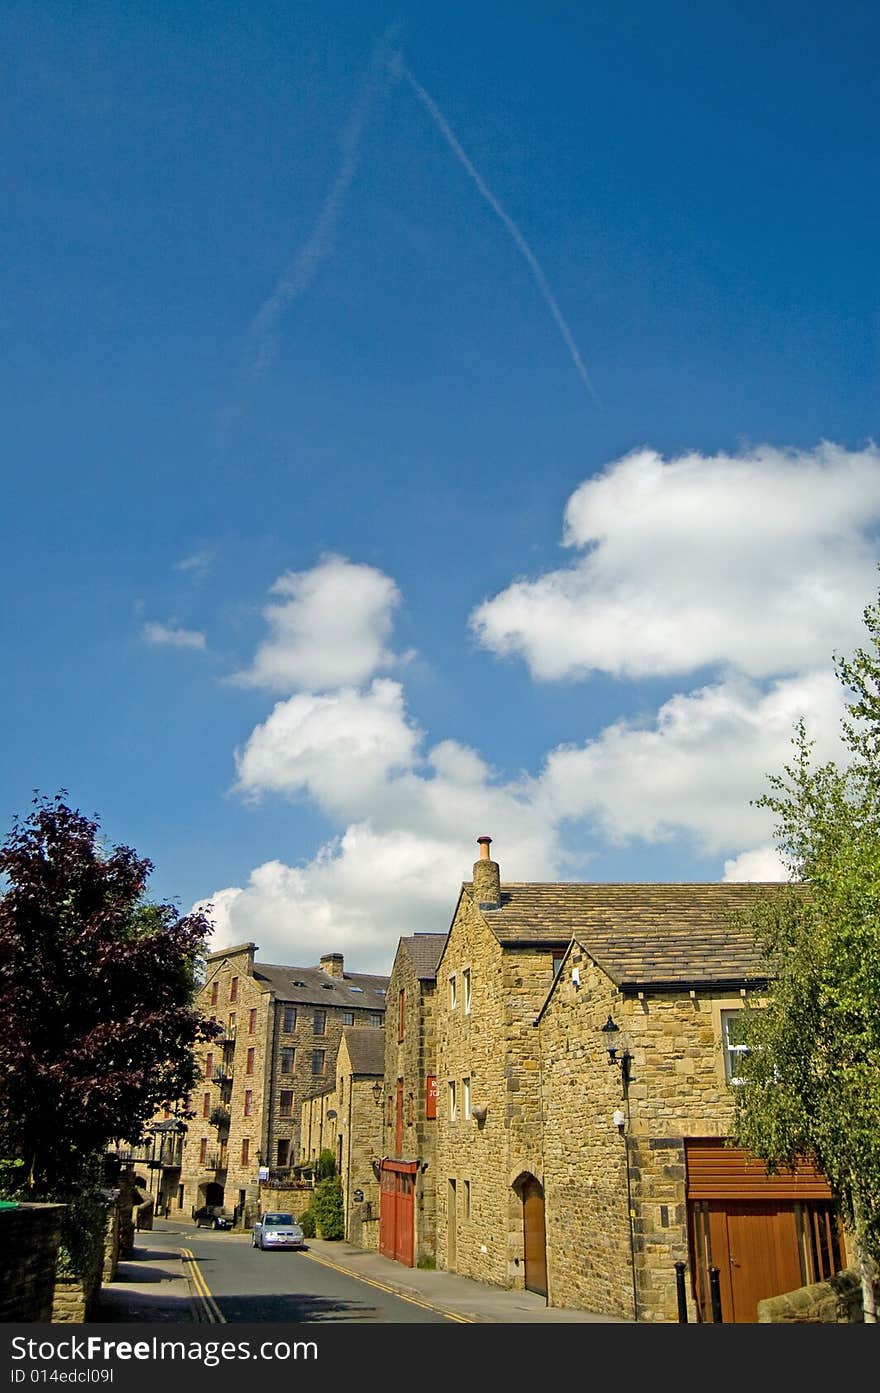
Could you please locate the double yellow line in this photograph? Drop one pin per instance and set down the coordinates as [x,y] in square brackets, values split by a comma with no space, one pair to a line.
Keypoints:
[392,1291]
[206,1308]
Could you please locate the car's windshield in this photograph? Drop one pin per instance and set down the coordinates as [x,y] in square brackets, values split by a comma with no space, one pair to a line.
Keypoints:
[272,1220]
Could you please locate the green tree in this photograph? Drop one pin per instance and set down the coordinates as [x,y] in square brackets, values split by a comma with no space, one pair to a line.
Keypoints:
[811,1078]
[96,997]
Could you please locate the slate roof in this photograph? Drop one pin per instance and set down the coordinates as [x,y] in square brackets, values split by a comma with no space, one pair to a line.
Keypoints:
[640,934]
[312,986]
[366,1048]
[424,953]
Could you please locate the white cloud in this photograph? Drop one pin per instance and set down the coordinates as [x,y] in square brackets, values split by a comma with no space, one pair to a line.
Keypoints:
[328,630]
[762,863]
[171,636]
[339,747]
[358,896]
[761,561]
[695,770]
[198,564]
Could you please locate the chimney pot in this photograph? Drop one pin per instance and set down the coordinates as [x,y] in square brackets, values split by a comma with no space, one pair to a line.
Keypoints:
[487,878]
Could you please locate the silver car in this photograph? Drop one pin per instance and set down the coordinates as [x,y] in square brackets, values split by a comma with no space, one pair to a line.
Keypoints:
[275,1230]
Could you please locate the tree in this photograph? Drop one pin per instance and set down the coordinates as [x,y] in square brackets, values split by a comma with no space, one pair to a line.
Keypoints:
[326,1164]
[96,993]
[811,1077]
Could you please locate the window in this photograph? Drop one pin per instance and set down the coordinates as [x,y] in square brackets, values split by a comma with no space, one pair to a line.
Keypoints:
[209,1066]
[466,1097]
[233,989]
[452,1100]
[398,1117]
[248,1102]
[289,1020]
[215,992]
[731,1043]
[231,1023]
[347,1017]
[558,959]
[466,983]
[203,1151]
[401,1013]
[285,1106]
[206,1105]
[319,1023]
[453,995]
[319,1061]
[376,1018]
[284,1152]
[252,1020]
[288,1055]
[467,1199]
[245,1150]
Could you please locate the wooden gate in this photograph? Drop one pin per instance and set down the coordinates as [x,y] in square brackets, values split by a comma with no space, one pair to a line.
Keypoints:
[534,1238]
[397,1210]
[766,1234]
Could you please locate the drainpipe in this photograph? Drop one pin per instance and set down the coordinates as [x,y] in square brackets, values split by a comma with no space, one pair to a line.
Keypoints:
[629,1203]
[348,1157]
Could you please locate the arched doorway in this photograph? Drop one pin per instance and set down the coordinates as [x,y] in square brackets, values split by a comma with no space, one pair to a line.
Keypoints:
[531,1192]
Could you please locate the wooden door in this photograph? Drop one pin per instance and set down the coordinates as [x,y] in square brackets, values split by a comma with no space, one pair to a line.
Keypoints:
[755,1248]
[534,1240]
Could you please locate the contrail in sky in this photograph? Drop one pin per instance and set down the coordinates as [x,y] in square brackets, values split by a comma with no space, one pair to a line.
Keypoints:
[300,274]
[399,69]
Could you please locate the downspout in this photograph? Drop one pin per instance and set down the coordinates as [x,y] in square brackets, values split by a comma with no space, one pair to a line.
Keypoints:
[629,1204]
[269,1102]
[348,1157]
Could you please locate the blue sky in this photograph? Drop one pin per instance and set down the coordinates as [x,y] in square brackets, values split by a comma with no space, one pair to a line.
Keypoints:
[429,421]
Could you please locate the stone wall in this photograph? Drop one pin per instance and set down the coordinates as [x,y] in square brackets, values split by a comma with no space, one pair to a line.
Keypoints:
[411,1061]
[29,1237]
[495,1047]
[835,1302]
[678,1090]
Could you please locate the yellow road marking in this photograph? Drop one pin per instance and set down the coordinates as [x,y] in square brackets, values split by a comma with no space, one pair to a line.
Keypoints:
[371,1282]
[205,1301]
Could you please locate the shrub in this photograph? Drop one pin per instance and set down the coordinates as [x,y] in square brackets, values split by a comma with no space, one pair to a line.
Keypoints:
[326,1164]
[327,1206]
[307,1223]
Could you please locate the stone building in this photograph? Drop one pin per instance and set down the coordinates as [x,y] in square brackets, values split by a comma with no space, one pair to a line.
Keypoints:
[493,976]
[359,1068]
[584,1043]
[282,1028]
[409,1112]
[638,1062]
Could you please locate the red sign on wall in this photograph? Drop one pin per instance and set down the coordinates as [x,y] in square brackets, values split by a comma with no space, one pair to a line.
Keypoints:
[431,1095]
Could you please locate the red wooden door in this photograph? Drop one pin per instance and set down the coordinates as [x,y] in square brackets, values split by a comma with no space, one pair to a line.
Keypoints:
[397,1213]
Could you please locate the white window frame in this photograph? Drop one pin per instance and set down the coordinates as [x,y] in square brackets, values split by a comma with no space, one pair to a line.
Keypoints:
[452,1106]
[466,981]
[732,1052]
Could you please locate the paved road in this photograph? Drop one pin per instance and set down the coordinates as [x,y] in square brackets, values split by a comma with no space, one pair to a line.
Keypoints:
[251,1286]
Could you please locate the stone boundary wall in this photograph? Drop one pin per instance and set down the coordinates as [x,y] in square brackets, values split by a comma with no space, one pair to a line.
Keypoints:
[29,1237]
[835,1302]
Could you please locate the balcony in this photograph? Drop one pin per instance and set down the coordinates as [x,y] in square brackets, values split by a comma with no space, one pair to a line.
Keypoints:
[222,1076]
[219,1118]
[216,1161]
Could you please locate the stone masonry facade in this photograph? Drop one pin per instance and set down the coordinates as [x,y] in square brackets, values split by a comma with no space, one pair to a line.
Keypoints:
[487,1059]
[282,1031]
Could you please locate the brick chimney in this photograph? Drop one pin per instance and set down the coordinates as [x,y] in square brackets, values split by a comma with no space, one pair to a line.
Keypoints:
[332,964]
[487,878]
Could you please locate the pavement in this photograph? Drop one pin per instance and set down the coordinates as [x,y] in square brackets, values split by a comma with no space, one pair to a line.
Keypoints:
[158,1283]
